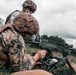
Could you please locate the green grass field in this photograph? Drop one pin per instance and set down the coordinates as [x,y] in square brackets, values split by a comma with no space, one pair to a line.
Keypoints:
[71,58]
[34,50]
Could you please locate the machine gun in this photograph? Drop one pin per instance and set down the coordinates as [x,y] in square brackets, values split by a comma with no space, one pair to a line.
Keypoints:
[46,62]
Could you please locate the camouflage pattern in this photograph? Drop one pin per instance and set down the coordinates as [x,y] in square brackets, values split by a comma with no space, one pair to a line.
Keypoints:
[13,51]
[10,18]
[31,5]
[27,4]
[26,23]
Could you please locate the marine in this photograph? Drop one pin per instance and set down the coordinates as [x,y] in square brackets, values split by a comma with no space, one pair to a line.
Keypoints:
[12,45]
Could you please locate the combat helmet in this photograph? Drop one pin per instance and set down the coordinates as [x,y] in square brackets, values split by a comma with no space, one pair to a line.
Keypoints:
[30,4]
[26,23]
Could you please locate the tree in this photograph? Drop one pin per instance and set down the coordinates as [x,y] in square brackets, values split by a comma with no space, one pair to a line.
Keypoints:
[53,38]
[1,22]
[56,39]
[44,36]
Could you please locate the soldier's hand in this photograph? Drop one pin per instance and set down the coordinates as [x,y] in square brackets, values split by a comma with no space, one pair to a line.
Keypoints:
[54,60]
[72,64]
[3,56]
[42,53]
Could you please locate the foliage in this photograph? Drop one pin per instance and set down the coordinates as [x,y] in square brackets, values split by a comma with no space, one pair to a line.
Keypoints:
[53,39]
[59,41]
[1,21]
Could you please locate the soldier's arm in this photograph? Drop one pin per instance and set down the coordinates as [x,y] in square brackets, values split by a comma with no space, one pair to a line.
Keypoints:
[18,57]
[3,56]
[73,65]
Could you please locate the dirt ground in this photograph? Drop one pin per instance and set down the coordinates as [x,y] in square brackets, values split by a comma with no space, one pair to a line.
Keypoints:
[71,58]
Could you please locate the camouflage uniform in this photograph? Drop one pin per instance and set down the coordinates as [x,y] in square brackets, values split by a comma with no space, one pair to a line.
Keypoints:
[27,4]
[10,18]
[12,46]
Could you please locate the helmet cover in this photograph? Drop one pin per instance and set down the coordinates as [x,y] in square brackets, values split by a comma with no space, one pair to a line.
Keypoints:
[26,23]
[30,4]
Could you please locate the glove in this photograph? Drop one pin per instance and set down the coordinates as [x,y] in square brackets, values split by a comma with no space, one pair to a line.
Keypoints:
[3,57]
[42,53]
[54,60]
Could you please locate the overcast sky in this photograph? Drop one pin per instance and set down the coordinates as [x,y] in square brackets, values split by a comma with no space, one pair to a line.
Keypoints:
[55,17]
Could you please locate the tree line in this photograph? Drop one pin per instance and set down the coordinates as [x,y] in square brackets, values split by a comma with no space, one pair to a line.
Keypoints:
[52,39]
[59,40]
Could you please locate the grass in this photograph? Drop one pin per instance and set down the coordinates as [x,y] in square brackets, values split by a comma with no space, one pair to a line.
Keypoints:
[34,50]
[31,50]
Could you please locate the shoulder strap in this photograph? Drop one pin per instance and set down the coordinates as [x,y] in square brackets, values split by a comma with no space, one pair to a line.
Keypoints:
[6,27]
[7,19]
